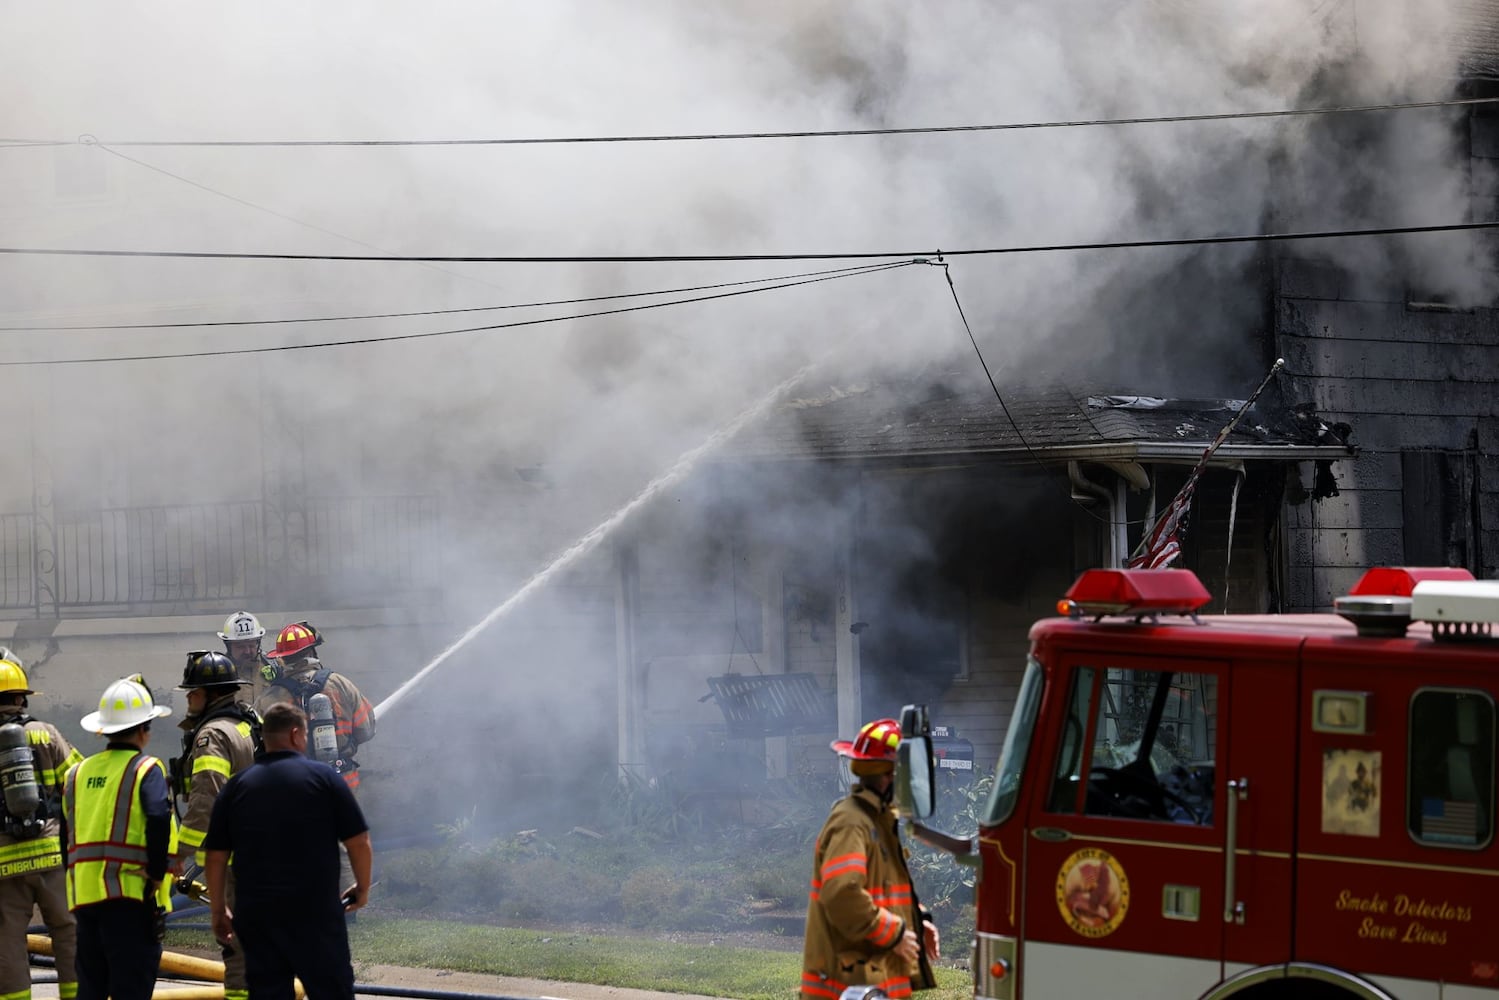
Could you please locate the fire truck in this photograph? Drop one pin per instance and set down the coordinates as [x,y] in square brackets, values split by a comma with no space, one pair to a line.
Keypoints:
[1259,807]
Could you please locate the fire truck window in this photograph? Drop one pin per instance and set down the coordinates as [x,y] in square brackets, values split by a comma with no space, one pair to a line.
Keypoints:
[1154,747]
[1068,775]
[1450,789]
[1017,746]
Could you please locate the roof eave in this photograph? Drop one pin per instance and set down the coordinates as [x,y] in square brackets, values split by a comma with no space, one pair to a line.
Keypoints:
[1111,451]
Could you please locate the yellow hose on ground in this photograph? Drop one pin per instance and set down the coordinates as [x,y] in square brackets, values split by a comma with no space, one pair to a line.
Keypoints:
[177,964]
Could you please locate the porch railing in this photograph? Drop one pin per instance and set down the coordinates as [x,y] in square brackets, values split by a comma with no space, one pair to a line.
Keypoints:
[328,551]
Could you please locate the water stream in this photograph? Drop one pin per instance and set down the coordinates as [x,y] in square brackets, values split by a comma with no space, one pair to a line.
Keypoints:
[588,542]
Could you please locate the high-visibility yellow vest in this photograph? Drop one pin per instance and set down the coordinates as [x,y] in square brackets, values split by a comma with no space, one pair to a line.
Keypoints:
[107,829]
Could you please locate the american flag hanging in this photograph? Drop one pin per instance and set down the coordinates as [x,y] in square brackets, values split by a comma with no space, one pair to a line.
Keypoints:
[1160,547]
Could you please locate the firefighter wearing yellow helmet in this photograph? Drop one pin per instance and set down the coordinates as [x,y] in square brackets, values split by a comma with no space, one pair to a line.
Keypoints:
[242,634]
[34,760]
[219,739]
[863,928]
[122,834]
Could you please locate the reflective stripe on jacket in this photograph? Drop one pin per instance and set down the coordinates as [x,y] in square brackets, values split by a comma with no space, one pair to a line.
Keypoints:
[107,829]
[220,749]
[353,715]
[860,903]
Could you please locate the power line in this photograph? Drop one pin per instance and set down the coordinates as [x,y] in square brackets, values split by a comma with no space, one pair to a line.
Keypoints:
[430,312]
[833,276]
[271,211]
[790,134]
[1323,234]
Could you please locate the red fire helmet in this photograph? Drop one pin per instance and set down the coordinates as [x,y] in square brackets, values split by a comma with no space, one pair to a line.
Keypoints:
[293,639]
[877,740]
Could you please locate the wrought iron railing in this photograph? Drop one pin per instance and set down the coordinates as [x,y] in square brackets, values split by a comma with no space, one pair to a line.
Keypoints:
[328,551]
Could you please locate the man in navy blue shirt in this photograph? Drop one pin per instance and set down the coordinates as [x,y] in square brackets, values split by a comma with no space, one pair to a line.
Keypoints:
[283,819]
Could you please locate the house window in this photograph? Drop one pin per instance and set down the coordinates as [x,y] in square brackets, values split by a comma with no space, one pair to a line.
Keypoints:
[1450,786]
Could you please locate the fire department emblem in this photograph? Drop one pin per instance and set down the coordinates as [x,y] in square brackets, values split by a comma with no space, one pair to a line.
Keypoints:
[1093,892]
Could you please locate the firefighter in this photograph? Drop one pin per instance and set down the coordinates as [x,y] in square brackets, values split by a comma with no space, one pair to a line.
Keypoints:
[117,812]
[219,739]
[31,863]
[863,928]
[242,634]
[302,677]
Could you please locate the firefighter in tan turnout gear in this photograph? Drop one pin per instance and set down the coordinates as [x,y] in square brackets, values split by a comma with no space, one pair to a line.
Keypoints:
[863,928]
[302,678]
[220,737]
[242,635]
[34,761]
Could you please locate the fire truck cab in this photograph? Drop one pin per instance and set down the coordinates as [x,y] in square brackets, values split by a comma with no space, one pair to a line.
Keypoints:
[1268,806]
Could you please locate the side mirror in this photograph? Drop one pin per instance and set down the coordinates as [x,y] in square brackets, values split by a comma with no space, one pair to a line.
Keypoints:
[915,784]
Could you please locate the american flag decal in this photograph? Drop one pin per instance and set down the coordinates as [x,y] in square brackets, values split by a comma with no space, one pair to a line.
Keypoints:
[1455,822]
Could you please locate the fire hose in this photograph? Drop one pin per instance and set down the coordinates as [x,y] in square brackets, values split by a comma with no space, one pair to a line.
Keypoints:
[191,967]
[173,963]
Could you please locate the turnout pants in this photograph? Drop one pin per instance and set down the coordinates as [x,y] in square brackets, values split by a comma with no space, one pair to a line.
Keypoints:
[118,954]
[48,891]
[314,949]
[236,986]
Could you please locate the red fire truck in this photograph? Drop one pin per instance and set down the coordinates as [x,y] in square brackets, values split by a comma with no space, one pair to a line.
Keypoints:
[1266,806]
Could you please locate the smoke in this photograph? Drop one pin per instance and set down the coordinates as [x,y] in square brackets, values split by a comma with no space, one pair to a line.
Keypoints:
[532,435]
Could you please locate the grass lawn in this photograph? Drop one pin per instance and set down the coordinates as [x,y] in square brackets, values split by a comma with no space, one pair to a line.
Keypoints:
[627,961]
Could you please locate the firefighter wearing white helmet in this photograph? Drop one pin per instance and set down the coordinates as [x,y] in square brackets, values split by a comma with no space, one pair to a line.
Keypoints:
[242,635]
[220,737]
[122,833]
[34,759]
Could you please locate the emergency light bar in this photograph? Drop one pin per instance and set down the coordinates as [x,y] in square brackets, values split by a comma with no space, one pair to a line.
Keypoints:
[1457,609]
[1382,602]
[1134,592]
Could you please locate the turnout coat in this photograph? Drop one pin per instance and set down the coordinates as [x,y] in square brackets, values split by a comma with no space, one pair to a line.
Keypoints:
[860,905]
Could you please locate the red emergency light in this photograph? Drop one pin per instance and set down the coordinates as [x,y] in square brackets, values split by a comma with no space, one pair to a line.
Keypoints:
[1134,592]
[1400,581]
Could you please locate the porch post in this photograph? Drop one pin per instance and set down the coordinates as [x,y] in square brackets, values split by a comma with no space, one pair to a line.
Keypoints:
[846,642]
[773,650]
[630,745]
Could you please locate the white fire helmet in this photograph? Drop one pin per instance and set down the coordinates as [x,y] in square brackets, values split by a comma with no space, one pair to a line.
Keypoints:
[241,626]
[125,704]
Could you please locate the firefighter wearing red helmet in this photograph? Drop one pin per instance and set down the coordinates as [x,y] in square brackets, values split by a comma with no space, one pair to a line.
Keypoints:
[31,863]
[301,677]
[220,737]
[862,924]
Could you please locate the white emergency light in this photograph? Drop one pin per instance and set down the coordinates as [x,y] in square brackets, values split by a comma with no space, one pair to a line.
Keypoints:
[1457,609]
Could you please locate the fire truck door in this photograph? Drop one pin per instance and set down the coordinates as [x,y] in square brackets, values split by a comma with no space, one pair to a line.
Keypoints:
[1258,799]
[1125,852]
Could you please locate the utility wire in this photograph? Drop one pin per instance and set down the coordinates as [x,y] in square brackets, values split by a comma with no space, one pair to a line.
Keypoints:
[796,134]
[431,312]
[1323,234]
[1004,407]
[872,269]
[271,211]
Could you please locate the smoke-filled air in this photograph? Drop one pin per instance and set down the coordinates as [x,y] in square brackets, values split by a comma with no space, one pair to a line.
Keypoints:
[148,127]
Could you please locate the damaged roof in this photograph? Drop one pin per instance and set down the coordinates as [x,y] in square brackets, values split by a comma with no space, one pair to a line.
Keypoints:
[888,420]
[1475,31]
